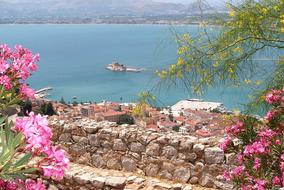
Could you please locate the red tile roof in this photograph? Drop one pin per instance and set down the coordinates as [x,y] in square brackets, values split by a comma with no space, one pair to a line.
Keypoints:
[113,113]
[153,126]
[180,118]
[167,124]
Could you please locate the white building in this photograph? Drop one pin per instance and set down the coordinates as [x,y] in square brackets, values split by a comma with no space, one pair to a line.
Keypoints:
[194,104]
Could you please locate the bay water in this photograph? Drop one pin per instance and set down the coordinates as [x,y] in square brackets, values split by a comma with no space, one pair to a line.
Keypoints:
[74,57]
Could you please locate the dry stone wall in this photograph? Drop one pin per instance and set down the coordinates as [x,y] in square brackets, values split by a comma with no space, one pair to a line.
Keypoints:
[172,156]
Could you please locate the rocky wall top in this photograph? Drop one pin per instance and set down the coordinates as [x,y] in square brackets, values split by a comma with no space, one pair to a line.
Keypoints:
[173,156]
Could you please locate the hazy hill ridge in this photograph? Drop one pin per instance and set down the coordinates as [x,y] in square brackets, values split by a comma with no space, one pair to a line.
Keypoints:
[94,8]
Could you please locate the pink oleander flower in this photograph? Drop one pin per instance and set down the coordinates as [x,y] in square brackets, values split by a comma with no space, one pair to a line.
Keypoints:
[235,129]
[267,133]
[277,142]
[260,184]
[257,163]
[270,115]
[240,158]
[6,82]
[27,92]
[282,166]
[238,171]
[282,157]
[34,185]
[276,180]
[3,66]
[227,176]
[5,51]
[36,131]
[57,163]
[12,185]
[225,144]
[247,187]
[257,147]
[273,97]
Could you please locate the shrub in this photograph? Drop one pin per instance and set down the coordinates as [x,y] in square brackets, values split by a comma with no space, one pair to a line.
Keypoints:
[29,136]
[259,148]
[126,119]
[47,109]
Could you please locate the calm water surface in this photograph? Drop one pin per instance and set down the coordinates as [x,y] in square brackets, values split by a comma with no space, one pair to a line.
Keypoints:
[73,60]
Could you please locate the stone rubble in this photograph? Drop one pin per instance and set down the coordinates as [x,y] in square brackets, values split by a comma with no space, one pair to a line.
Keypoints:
[81,177]
[169,155]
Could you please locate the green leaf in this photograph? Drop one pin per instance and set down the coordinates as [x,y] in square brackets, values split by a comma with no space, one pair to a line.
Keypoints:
[27,170]
[8,132]
[18,176]
[7,166]
[5,156]
[2,120]
[24,160]
[5,177]
[17,140]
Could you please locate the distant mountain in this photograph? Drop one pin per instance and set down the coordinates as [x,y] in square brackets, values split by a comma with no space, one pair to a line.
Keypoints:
[94,8]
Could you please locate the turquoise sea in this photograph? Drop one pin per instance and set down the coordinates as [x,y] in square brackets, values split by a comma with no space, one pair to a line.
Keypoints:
[73,60]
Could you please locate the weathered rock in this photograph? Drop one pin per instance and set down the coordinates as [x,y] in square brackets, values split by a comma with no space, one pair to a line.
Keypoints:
[139,180]
[214,155]
[137,147]
[116,182]
[177,186]
[206,180]
[114,163]
[79,139]
[84,159]
[65,137]
[169,152]
[188,187]
[128,164]
[231,158]
[198,169]
[152,170]
[106,144]
[191,157]
[168,166]
[186,144]
[153,149]
[119,145]
[198,148]
[174,142]
[98,182]
[164,174]
[193,180]
[182,174]
[77,149]
[225,186]
[162,186]
[83,178]
[98,161]
[52,187]
[94,140]
[91,129]
[78,131]
[131,179]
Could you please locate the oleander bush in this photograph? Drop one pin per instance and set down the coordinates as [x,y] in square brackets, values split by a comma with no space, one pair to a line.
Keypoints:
[259,147]
[25,145]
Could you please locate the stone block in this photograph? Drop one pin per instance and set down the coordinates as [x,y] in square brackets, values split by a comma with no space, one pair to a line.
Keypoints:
[137,147]
[214,155]
[153,149]
[119,145]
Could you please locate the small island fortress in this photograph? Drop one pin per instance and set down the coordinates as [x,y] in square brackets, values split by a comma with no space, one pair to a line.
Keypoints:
[116,66]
